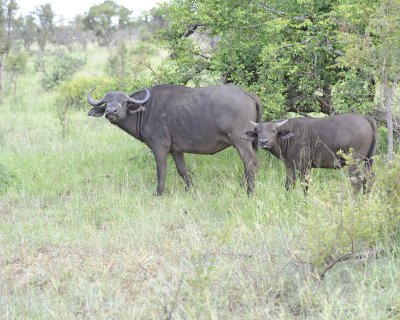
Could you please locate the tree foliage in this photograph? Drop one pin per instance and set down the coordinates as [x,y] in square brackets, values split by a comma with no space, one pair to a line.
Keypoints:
[106,18]
[8,10]
[16,66]
[28,30]
[45,16]
[79,32]
[290,52]
[375,52]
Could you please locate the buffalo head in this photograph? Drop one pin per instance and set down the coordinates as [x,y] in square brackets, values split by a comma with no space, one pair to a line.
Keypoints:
[267,133]
[116,105]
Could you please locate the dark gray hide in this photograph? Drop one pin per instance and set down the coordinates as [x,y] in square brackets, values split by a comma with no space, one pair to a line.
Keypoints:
[305,143]
[178,119]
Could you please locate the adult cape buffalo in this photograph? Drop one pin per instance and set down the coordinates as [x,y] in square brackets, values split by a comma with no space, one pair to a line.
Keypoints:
[305,143]
[176,119]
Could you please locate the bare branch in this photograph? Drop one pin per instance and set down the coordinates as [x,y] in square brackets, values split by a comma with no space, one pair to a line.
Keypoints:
[266,8]
[191,28]
[148,66]
[330,47]
[369,253]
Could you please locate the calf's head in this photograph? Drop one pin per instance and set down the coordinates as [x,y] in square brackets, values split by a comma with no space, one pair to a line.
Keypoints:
[116,105]
[267,133]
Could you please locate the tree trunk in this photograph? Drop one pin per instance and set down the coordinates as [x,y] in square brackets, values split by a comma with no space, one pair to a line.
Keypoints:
[1,76]
[15,87]
[389,119]
[2,64]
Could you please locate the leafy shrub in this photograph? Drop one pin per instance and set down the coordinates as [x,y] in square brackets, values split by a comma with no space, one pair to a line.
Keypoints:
[16,62]
[143,48]
[73,93]
[119,61]
[58,67]
[124,62]
[16,65]
[340,224]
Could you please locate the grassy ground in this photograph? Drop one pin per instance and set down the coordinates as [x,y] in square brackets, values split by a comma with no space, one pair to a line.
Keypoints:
[82,236]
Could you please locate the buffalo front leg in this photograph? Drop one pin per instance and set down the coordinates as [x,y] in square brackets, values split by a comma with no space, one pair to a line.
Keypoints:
[180,163]
[248,156]
[161,161]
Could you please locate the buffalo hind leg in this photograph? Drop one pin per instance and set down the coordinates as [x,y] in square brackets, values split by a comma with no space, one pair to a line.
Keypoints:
[356,178]
[248,156]
[180,163]
[368,182]
[161,160]
[369,176]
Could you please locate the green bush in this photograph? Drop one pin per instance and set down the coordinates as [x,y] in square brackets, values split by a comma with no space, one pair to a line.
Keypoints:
[143,48]
[16,62]
[58,67]
[73,93]
[16,66]
[340,224]
[119,61]
[129,62]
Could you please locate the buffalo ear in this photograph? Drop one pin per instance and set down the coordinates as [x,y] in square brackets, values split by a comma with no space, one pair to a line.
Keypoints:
[96,112]
[249,135]
[285,134]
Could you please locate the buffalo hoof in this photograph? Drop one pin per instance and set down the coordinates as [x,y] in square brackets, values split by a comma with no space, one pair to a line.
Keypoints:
[158,193]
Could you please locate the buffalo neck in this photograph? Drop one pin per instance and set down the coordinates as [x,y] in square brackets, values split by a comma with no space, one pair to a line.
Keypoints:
[278,150]
[302,133]
[282,146]
[132,124]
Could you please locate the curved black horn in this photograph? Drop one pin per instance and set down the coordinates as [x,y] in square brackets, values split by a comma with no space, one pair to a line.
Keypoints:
[146,98]
[92,102]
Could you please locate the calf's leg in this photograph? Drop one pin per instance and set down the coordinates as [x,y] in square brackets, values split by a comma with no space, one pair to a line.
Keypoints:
[179,159]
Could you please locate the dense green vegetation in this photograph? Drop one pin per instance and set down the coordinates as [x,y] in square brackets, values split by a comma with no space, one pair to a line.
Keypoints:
[81,234]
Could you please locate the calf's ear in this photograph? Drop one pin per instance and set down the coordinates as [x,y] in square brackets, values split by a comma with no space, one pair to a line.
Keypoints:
[285,134]
[96,112]
[249,135]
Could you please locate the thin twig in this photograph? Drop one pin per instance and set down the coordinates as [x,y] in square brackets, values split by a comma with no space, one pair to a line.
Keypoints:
[169,316]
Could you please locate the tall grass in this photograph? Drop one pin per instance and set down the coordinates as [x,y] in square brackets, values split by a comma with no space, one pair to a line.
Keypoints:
[82,236]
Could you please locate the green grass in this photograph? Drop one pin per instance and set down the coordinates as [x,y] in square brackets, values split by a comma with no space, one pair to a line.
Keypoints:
[82,236]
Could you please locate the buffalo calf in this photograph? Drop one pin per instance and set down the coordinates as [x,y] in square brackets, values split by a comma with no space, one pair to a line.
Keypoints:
[305,143]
